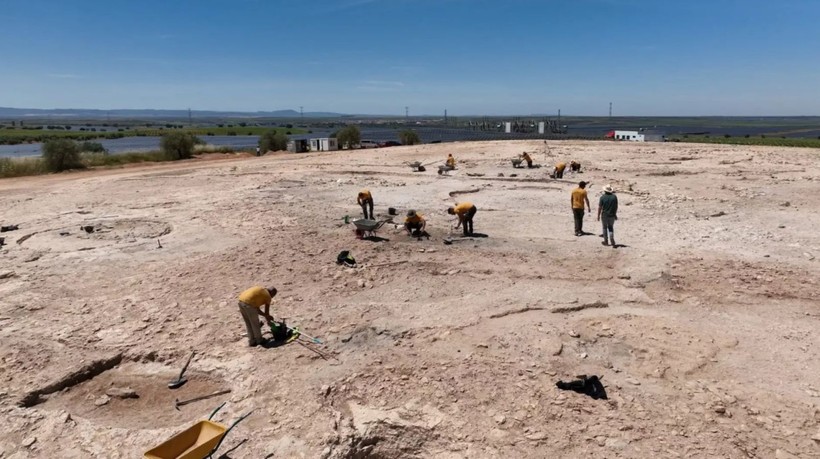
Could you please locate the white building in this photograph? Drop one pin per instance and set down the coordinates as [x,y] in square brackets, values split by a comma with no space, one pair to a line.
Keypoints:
[633,136]
[324,144]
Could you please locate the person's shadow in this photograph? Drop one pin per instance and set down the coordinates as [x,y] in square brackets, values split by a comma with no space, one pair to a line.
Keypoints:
[273,344]
[479,235]
[375,239]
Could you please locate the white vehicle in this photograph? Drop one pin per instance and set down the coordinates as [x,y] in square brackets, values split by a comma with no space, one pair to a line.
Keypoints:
[368,144]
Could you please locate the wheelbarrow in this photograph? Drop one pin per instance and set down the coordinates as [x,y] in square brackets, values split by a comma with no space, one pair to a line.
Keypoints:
[516,162]
[200,441]
[367,228]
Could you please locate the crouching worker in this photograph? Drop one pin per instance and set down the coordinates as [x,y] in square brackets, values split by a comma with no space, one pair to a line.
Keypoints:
[465,212]
[575,166]
[251,302]
[414,223]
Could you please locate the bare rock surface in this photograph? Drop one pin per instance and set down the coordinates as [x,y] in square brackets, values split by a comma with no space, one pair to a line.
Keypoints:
[703,325]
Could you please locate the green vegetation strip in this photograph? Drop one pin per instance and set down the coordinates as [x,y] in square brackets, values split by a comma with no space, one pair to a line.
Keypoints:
[764,141]
[21,167]
[14,136]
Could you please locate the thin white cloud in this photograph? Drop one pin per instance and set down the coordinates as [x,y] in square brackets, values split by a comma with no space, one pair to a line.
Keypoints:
[380,86]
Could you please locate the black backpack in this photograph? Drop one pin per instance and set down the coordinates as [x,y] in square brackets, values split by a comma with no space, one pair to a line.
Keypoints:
[344,258]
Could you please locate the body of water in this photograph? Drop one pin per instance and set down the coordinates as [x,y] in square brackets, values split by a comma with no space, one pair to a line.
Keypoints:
[427,134]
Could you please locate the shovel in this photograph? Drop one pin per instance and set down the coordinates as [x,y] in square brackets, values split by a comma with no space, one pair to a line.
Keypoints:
[180,381]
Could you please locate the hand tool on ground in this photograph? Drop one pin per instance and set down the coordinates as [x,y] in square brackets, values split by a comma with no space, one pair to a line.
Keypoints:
[301,333]
[180,380]
[177,403]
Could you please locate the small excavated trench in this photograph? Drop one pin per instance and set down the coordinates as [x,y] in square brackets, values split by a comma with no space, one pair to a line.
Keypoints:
[85,393]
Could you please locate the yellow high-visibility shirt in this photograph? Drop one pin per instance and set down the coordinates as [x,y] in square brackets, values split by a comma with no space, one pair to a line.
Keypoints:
[578,196]
[256,297]
[560,167]
[526,157]
[461,209]
[414,220]
[451,161]
[365,195]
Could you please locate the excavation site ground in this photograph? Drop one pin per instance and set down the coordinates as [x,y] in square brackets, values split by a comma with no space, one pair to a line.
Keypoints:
[701,325]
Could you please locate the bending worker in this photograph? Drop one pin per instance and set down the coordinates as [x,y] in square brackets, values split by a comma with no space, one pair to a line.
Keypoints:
[526,157]
[465,212]
[575,166]
[558,172]
[365,199]
[250,305]
[414,222]
[451,162]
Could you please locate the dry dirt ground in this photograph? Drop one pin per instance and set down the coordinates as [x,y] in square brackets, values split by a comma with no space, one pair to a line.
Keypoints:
[706,335]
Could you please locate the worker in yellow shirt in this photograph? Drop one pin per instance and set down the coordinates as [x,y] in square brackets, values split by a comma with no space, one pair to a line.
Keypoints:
[577,199]
[526,157]
[465,212]
[575,166]
[250,305]
[451,162]
[365,199]
[558,172]
[414,223]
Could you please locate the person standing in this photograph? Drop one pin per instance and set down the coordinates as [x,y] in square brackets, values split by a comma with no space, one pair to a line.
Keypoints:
[258,151]
[558,172]
[250,305]
[607,214]
[465,212]
[365,199]
[577,199]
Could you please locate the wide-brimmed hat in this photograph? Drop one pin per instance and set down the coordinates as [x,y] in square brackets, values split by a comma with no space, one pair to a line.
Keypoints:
[411,213]
[608,189]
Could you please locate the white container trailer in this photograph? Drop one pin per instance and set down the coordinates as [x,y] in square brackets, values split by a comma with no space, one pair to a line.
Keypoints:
[324,144]
[632,136]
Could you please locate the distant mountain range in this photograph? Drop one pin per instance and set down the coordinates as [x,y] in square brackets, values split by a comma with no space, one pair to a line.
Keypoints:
[15,113]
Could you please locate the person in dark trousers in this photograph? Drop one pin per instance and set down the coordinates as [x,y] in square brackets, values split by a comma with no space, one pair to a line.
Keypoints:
[414,223]
[526,157]
[607,214]
[558,172]
[465,212]
[365,199]
[577,200]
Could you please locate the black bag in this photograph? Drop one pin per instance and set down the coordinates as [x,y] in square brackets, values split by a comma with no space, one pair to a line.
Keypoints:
[344,258]
[585,385]
[280,331]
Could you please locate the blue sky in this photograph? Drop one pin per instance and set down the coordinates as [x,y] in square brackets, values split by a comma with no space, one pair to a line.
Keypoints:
[471,57]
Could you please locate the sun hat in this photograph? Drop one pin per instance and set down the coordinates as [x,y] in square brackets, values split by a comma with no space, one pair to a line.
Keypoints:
[608,189]
[411,213]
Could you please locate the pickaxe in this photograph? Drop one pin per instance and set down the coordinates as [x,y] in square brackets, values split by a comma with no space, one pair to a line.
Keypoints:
[177,403]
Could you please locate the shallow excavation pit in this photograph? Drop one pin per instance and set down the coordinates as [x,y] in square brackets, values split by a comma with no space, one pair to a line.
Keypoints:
[86,372]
